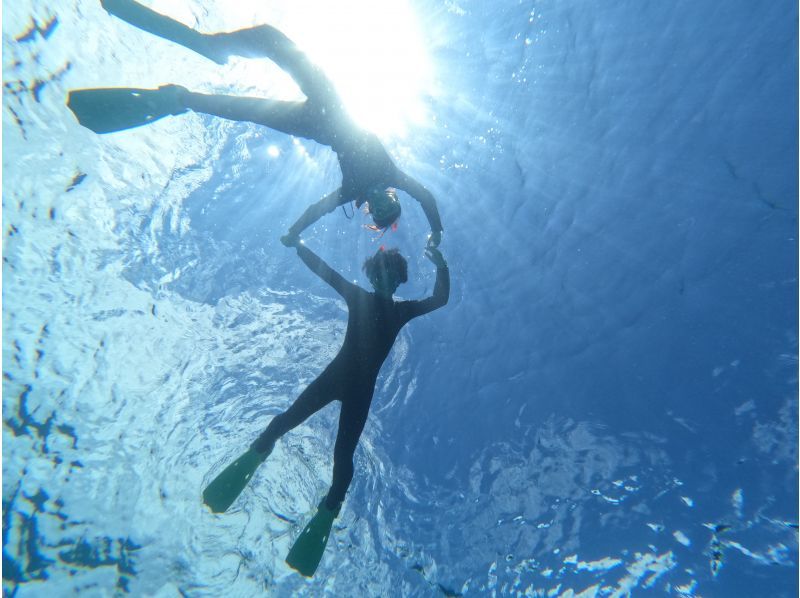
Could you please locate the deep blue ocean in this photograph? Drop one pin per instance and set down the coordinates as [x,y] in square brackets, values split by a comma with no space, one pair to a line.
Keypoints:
[608,404]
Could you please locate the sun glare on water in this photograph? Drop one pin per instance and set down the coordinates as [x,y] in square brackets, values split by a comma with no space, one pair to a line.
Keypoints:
[371,49]
[375,56]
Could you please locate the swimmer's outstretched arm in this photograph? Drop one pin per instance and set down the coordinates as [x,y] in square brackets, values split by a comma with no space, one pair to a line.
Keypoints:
[346,289]
[316,211]
[426,200]
[441,290]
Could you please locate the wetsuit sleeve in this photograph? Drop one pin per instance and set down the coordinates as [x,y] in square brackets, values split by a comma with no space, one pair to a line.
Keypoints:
[317,210]
[441,294]
[423,196]
[346,289]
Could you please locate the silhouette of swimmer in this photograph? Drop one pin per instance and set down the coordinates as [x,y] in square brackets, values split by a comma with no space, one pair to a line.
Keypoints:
[368,173]
[373,323]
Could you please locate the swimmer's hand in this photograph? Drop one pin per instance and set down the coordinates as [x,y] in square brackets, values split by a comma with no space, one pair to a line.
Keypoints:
[434,239]
[436,257]
[290,240]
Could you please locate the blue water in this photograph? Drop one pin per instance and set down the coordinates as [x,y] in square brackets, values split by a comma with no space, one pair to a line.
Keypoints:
[606,407]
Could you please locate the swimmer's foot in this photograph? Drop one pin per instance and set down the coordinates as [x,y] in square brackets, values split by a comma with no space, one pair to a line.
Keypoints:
[174,98]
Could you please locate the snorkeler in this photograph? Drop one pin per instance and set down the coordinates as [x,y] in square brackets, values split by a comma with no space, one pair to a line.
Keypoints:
[373,323]
[368,172]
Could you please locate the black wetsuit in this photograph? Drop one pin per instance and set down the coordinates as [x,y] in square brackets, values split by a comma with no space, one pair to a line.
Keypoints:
[363,160]
[372,326]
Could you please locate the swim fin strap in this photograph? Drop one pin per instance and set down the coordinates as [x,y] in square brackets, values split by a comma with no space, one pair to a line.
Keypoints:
[228,485]
[106,110]
[306,553]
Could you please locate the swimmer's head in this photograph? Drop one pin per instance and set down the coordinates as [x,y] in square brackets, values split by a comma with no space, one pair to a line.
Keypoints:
[386,270]
[384,207]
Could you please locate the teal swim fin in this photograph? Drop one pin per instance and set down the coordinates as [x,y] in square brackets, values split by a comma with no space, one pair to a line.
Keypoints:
[306,553]
[106,110]
[228,485]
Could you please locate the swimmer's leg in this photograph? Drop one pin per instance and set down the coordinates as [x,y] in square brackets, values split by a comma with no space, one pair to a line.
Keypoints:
[292,118]
[221,493]
[316,396]
[163,26]
[262,41]
[306,553]
[352,419]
